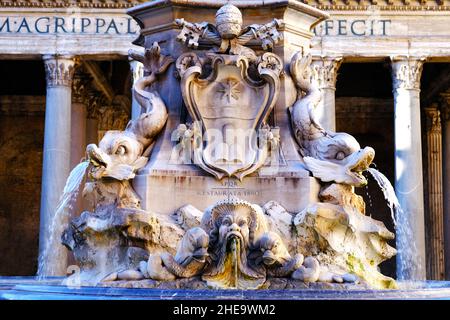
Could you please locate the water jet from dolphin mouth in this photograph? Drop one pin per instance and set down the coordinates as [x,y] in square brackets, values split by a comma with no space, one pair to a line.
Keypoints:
[62,212]
[388,192]
[408,249]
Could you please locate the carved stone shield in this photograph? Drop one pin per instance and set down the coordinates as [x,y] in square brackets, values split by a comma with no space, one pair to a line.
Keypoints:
[229,107]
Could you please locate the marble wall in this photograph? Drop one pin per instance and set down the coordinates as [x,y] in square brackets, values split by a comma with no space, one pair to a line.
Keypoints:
[21,142]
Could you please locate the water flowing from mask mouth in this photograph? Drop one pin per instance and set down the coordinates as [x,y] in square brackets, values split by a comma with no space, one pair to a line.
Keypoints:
[62,213]
[406,247]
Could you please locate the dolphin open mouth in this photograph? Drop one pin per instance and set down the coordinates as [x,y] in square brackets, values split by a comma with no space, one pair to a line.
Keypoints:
[269,258]
[361,162]
[96,156]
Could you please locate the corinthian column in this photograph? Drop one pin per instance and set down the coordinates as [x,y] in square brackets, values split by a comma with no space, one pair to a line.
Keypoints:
[410,231]
[435,223]
[78,123]
[325,73]
[137,72]
[445,113]
[56,160]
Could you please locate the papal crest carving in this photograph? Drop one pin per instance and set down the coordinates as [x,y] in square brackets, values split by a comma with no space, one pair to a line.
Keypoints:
[229,108]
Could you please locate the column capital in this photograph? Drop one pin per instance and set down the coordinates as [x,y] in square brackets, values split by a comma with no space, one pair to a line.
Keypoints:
[445,106]
[406,72]
[80,88]
[94,101]
[433,118]
[324,71]
[59,70]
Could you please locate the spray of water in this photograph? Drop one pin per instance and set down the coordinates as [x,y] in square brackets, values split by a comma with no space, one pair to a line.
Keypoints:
[62,212]
[407,263]
[388,192]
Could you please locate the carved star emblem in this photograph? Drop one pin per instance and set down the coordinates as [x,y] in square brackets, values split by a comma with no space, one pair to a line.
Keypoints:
[229,90]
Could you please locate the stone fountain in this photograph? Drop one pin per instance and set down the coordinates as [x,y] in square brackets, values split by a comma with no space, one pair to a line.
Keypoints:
[227,180]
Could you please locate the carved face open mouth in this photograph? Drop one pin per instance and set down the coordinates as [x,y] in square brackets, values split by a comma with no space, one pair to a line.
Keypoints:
[269,258]
[99,160]
[358,163]
[234,236]
[96,156]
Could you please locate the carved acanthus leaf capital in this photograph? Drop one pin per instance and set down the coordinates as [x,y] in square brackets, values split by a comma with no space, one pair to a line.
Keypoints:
[324,71]
[94,101]
[59,70]
[406,72]
[445,106]
[433,119]
[80,89]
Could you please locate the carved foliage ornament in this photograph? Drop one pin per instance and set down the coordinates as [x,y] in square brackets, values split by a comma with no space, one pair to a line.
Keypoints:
[445,106]
[325,70]
[406,73]
[433,119]
[59,71]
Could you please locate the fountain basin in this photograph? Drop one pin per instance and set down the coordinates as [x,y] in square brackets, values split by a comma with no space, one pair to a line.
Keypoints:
[29,288]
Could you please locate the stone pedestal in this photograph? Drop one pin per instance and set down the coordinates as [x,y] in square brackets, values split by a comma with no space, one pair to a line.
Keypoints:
[410,231]
[325,73]
[435,223]
[56,157]
[164,186]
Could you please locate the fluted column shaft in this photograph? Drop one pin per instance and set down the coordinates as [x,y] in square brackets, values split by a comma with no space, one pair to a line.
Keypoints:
[325,73]
[435,216]
[56,155]
[137,72]
[410,231]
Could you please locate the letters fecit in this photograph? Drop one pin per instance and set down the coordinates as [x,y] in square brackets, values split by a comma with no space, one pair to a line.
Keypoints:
[358,27]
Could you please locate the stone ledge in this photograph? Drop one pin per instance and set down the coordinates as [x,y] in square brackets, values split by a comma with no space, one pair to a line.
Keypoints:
[197,284]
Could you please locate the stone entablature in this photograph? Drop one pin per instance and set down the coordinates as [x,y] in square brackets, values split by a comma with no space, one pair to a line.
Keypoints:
[358,32]
[320,4]
[75,3]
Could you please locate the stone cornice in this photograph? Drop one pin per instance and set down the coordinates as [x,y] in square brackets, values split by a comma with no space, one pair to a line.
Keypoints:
[394,7]
[106,4]
[327,5]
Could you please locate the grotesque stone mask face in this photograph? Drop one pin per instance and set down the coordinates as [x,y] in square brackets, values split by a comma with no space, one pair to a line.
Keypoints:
[234,226]
[229,22]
